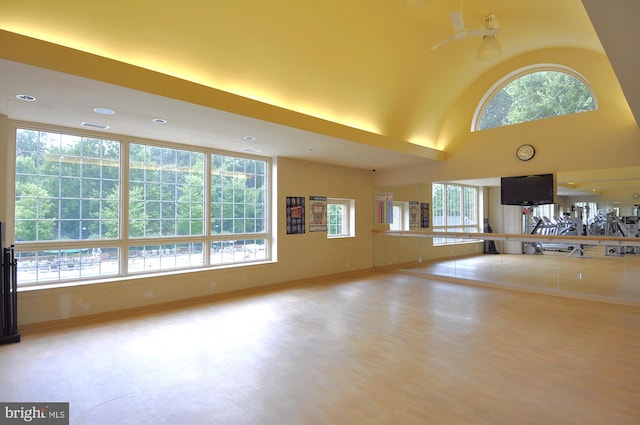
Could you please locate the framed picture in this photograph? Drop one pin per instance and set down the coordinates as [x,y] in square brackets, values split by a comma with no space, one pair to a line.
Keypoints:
[424,215]
[414,215]
[384,208]
[295,215]
[317,213]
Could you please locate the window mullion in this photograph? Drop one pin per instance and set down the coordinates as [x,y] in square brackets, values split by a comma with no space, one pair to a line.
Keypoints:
[207,210]
[124,208]
[445,210]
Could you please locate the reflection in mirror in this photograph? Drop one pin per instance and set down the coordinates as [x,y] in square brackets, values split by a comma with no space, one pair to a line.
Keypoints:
[603,202]
[596,204]
[410,206]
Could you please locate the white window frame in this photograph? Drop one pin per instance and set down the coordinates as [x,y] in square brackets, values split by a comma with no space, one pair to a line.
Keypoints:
[348,228]
[248,248]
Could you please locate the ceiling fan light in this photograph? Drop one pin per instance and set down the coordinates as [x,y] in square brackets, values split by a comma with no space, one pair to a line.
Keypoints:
[489,48]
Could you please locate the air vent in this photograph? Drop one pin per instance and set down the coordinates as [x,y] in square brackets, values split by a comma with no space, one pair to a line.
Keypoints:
[94,125]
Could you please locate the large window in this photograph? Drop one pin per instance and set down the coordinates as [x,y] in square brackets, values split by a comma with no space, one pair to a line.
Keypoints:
[534,93]
[76,218]
[67,187]
[238,209]
[455,209]
[67,193]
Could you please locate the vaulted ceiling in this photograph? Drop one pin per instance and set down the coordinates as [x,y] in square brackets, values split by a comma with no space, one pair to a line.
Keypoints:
[349,82]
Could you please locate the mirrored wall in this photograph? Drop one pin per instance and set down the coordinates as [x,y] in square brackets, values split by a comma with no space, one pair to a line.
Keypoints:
[596,253]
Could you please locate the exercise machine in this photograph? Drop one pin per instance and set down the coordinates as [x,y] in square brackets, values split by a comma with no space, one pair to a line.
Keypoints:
[621,227]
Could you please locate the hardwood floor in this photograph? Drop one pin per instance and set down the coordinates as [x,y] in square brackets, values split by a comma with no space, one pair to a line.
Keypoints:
[374,349]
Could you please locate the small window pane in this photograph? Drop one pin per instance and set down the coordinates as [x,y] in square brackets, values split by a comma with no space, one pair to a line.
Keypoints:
[335,219]
[230,251]
[66,264]
[150,258]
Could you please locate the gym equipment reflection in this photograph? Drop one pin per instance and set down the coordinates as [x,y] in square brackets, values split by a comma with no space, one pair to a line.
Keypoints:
[587,245]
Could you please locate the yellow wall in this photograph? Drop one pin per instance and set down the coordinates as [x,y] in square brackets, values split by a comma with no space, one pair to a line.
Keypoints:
[312,254]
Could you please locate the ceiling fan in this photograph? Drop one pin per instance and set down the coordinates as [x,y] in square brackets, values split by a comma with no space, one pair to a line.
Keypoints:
[461,32]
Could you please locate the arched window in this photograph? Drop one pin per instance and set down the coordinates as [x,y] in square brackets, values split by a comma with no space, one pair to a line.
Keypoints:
[533,93]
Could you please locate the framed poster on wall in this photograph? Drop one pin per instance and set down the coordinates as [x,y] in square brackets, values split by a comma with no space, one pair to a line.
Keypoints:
[424,215]
[295,215]
[317,213]
[384,208]
[414,215]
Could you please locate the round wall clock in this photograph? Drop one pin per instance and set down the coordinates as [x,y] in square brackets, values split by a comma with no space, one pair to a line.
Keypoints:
[525,152]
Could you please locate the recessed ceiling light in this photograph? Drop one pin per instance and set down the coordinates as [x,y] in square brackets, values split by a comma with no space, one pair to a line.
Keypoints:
[26,97]
[104,111]
[159,121]
[250,150]
[249,138]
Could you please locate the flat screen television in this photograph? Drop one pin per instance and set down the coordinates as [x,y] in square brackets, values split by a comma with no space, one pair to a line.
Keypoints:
[538,189]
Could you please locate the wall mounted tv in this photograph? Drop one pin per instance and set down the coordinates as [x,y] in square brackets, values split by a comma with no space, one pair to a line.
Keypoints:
[538,189]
